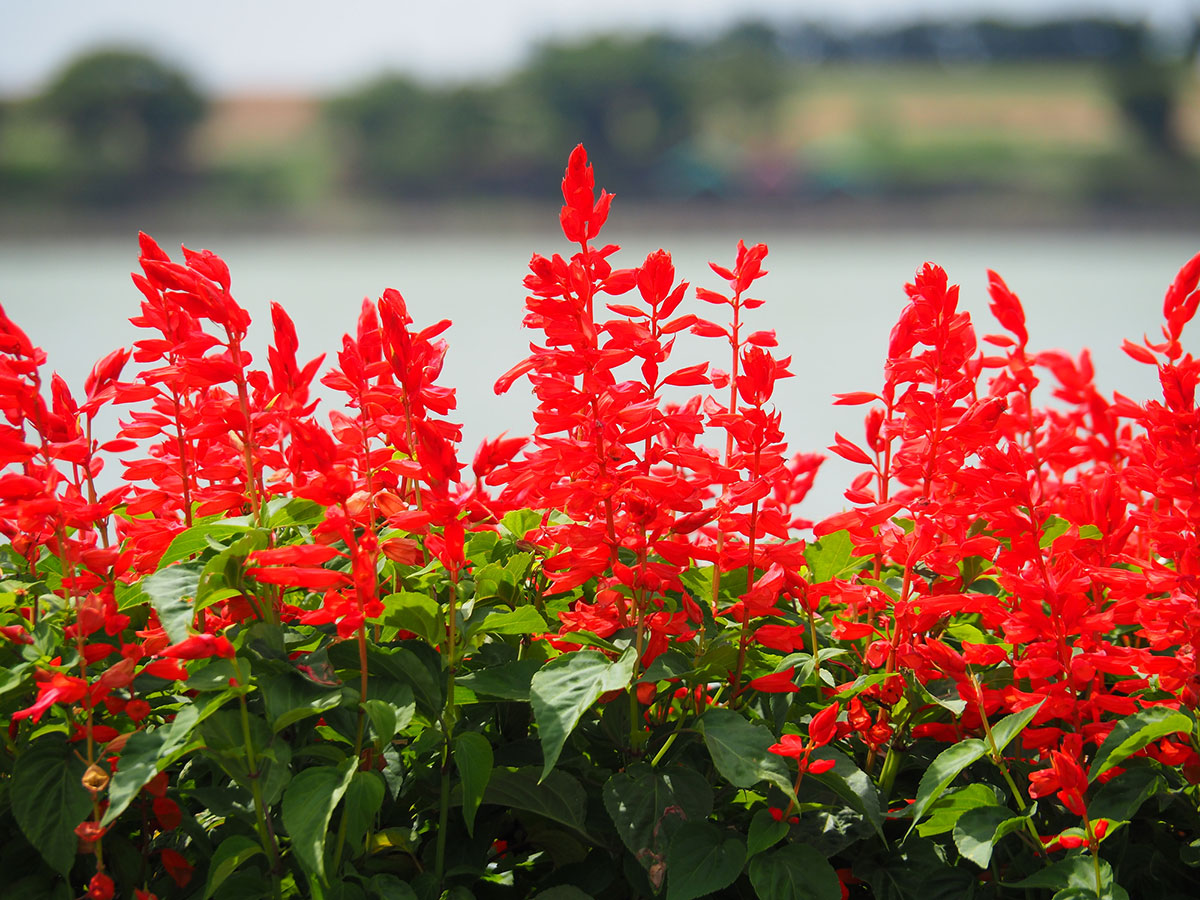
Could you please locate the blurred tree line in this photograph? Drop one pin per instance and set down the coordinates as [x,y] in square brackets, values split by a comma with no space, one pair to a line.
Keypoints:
[660,112]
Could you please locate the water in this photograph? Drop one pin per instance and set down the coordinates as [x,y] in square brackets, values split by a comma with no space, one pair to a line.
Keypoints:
[832,298]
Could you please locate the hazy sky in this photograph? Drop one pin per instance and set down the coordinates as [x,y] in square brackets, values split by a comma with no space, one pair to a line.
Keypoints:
[248,45]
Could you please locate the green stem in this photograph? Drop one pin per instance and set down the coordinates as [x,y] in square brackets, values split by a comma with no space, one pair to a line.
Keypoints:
[448,718]
[265,832]
[891,768]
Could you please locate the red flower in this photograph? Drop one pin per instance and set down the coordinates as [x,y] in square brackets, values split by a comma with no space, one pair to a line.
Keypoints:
[101,887]
[177,866]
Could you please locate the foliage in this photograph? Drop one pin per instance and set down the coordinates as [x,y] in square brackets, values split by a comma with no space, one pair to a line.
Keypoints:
[324,658]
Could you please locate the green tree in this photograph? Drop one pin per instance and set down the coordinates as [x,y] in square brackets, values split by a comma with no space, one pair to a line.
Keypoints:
[628,101]
[127,117]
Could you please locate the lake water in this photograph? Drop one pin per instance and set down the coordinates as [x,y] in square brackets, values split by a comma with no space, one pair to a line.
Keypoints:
[832,298]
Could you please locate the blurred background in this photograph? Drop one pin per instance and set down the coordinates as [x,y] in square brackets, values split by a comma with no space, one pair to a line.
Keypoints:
[331,151]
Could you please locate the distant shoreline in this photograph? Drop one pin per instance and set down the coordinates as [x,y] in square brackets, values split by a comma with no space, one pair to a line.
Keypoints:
[974,213]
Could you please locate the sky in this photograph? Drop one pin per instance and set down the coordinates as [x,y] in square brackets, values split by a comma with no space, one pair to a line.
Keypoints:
[231,46]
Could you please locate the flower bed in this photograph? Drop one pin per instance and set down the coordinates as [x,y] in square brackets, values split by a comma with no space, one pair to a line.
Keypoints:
[304,655]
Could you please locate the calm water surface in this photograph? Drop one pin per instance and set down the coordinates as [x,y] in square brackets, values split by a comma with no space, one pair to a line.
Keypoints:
[832,298]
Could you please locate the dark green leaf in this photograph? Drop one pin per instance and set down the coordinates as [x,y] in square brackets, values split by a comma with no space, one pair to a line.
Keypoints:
[363,800]
[1132,733]
[389,887]
[49,800]
[289,698]
[648,804]
[565,688]
[562,892]
[308,805]
[473,757]
[739,750]
[852,784]
[147,753]
[764,834]
[941,772]
[702,859]
[232,852]
[977,831]
[794,872]
[1077,873]
[1120,798]
[508,681]
[558,797]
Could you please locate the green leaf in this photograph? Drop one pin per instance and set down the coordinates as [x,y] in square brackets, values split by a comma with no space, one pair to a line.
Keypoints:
[522,620]
[171,592]
[1075,875]
[941,772]
[232,852]
[945,812]
[287,513]
[308,805]
[764,834]
[558,796]
[415,612]
[520,522]
[1090,532]
[197,539]
[794,872]
[1010,726]
[831,557]
[666,666]
[978,830]
[147,753]
[363,800]
[565,688]
[1132,733]
[383,720]
[853,785]
[702,859]
[508,681]
[648,805]
[289,698]
[473,757]
[49,800]
[389,887]
[739,750]
[1052,529]
[1120,798]
[562,892]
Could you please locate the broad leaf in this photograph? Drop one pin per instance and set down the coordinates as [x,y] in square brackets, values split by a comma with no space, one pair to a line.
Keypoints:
[232,852]
[308,805]
[48,799]
[1120,798]
[648,805]
[522,620]
[1075,874]
[941,772]
[473,757]
[197,539]
[557,796]
[508,681]
[831,557]
[1134,732]
[978,830]
[289,698]
[171,592]
[702,860]
[853,785]
[147,753]
[764,833]
[794,872]
[565,688]
[944,813]
[362,802]
[739,750]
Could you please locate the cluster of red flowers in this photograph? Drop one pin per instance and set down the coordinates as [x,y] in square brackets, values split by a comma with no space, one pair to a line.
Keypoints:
[1055,528]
